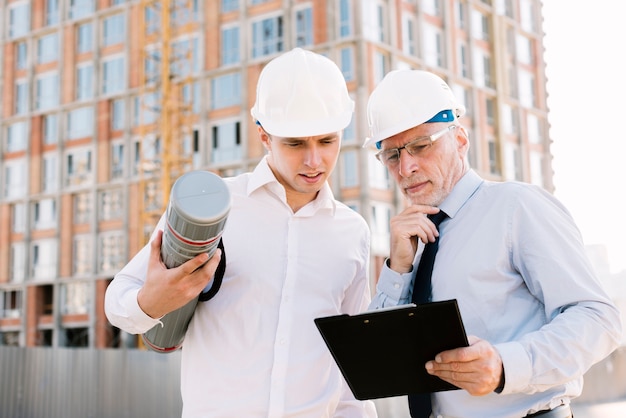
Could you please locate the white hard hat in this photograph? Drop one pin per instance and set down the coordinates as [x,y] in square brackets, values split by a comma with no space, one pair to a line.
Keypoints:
[301,93]
[408,98]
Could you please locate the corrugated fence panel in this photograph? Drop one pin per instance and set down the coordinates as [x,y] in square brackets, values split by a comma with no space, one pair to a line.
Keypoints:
[44,382]
[88,383]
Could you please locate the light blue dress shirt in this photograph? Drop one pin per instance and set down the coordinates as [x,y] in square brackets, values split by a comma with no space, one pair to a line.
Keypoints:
[512,256]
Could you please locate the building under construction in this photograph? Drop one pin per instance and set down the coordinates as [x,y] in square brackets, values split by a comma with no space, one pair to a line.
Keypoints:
[105,103]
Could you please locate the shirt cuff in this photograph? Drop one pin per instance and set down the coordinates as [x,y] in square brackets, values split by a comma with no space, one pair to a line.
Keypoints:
[140,319]
[517,367]
[395,285]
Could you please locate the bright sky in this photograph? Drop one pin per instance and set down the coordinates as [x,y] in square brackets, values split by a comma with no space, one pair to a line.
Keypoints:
[586,69]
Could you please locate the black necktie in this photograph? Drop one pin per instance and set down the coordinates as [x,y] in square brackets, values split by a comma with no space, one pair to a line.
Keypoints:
[419,403]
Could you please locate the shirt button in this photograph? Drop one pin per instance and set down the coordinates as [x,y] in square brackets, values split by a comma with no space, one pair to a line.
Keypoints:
[396,285]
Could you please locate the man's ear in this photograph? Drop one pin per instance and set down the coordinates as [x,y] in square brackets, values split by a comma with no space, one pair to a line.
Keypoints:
[265,138]
[462,137]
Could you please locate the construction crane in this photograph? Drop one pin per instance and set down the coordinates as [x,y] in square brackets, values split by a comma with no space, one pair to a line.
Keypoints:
[163,110]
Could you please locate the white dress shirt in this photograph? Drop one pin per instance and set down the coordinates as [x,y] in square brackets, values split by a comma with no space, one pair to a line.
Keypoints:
[512,256]
[254,350]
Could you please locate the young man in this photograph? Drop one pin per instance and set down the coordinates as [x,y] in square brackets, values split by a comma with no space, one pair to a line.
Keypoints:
[294,253]
[510,253]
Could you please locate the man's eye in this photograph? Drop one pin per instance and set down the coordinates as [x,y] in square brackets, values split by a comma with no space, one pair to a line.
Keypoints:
[391,157]
[417,148]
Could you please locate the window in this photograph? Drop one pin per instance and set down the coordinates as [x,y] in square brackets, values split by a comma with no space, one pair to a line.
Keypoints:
[432,7]
[184,59]
[19,19]
[117,160]
[381,217]
[18,262]
[111,205]
[536,168]
[84,82]
[526,89]
[535,135]
[229,5]
[347,63]
[11,304]
[267,36]
[230,45]
[74,299]
[408,34]
[190,93]
[78,167]
[493,157]
[21,56]
[490,103]
[349,133]
[80,8]
[463,60]
[377,173]
[527,11]
[480,26]
[345,18]
[52,12]
[143,109]
[304,27]
[380,67]
[513,162]
[50,177]
[510,120]
[461,14]
[152,64]
[147,151]
[226,142]
[50,129]
[482,69]
[433,46]
[47,91]
[113,80]
[113,30]
[226,90]
[21,97]
[152,18]
[82,255]
[76,337]
[349,174]
[112,251]
[463,95]
[15,178]
[18,218]
[524,50]
[44,259]
[17,138]
[80,123]
[117,114]
[83,208]
[84,41]
[374,21]
[45,214]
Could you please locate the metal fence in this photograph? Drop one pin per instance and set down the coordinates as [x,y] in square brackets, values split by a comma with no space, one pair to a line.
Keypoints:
[116,383]
[88,383]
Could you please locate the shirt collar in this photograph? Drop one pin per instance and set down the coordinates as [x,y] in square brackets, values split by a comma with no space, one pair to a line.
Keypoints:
[262,176]
[462,191]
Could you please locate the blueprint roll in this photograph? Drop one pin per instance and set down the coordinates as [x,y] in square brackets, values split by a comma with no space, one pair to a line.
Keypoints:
[195,218]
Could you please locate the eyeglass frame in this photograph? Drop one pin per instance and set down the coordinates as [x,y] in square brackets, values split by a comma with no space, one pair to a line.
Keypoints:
[432,139]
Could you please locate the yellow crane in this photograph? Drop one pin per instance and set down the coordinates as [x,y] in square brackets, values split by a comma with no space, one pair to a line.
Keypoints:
[163,112]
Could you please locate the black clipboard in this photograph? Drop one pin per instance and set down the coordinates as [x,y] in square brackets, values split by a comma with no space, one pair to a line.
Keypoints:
[382,353]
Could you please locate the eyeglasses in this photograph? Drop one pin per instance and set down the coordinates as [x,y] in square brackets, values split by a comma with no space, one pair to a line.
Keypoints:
[391,157]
